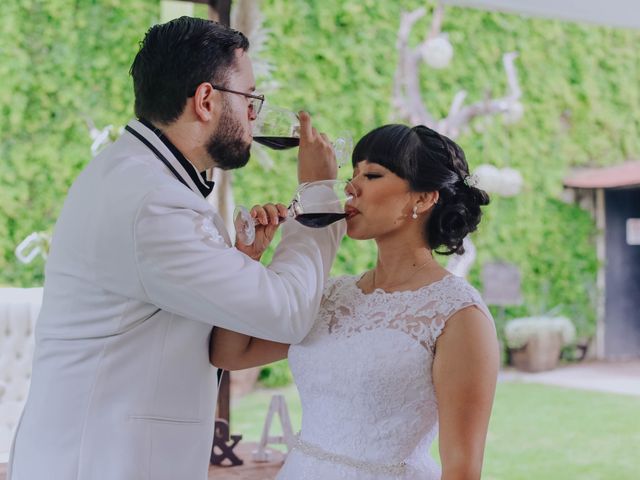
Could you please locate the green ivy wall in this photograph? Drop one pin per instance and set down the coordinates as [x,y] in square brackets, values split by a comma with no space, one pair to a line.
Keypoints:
[60,60]
[581,91]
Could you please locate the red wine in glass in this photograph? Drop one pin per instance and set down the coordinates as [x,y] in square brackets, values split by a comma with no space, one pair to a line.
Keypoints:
[278,143]
[319,220]
[314,204]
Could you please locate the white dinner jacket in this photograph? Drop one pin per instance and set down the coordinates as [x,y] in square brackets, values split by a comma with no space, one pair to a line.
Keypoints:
[140,269]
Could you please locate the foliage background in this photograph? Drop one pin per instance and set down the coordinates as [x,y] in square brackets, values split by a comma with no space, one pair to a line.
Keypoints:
[60,60]
[581,86]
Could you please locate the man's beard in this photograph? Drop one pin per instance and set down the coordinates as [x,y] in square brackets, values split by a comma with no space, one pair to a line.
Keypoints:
[226,146]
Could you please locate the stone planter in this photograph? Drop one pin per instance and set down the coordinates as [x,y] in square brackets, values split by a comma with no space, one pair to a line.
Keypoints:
[542,352]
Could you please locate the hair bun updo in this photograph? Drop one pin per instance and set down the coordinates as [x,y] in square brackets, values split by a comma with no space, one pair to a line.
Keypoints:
[455,216]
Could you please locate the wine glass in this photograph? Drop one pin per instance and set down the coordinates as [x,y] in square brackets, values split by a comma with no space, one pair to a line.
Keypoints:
[315,204]
[278,128]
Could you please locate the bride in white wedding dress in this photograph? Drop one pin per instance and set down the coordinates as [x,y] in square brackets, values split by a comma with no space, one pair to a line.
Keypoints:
[404,352]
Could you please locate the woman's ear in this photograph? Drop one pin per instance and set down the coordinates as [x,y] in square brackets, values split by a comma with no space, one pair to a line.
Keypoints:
[427,200]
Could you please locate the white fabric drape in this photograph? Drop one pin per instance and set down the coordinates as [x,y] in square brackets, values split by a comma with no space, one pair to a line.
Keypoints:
[613,13]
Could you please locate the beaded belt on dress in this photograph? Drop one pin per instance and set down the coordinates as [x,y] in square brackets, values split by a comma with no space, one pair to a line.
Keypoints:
[317,452]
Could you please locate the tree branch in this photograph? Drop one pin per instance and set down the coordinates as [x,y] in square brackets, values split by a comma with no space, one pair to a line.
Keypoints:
[457,119]
[407,99]
[406,92]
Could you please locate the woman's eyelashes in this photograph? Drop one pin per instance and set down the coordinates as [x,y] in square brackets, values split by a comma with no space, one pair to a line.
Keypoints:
[368,176]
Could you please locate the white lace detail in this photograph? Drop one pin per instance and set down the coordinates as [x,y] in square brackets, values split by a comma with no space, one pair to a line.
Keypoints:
[421,313]
[364,377]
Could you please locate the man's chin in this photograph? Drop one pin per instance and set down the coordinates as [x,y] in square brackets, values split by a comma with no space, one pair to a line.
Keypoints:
[237,162]
[231,161]
[234,166]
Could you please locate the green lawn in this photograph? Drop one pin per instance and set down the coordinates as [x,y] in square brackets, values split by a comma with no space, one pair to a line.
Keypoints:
[536,432]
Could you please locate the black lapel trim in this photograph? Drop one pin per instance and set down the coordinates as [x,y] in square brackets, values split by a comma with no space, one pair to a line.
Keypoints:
[157,154]
[200,179]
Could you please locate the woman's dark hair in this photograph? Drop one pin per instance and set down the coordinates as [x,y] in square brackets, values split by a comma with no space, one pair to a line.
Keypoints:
[429,162]
[177,56]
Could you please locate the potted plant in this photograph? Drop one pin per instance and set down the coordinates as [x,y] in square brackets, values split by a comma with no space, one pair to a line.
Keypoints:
[535,343]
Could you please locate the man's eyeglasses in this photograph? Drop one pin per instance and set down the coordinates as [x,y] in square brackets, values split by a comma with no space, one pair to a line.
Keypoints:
[255,101]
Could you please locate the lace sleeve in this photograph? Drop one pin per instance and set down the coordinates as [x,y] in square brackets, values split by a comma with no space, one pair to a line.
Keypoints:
[442,302]
[332,289]
[422,314]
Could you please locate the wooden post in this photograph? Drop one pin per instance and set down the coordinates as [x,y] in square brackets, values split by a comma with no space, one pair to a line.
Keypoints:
[601,226]
[223,442]
[220,11]
[224,392]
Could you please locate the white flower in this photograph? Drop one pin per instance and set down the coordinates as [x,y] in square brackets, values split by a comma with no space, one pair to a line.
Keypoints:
[511,182]
[518,331]
[437,52]
[506,182]
[488,177]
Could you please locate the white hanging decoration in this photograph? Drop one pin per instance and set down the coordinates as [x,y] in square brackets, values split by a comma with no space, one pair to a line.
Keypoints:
[100,138]
[511,182]
[488,178]
[36,243]
[437,52]
[506,182]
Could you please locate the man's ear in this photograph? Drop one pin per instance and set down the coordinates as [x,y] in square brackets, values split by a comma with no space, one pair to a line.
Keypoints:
[427,200]
[205,102]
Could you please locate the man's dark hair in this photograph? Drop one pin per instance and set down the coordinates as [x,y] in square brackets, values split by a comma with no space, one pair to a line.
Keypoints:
[176,57]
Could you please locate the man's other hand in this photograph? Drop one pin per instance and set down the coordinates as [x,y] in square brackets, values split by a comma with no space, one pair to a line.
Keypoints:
[316,159]
[268,218]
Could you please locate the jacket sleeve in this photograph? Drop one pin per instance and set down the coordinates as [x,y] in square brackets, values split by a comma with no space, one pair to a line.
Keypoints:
[186,268]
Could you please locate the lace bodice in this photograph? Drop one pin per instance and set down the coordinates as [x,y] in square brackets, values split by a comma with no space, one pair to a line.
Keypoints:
[364,378]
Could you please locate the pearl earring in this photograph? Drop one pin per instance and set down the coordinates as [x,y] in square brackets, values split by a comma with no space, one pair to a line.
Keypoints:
[415,212]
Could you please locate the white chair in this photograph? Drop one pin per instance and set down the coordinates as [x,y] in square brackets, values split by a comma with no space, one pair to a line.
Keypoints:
[19,308]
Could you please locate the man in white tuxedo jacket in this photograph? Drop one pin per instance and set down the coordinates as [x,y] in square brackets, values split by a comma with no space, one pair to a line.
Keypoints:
[141,268]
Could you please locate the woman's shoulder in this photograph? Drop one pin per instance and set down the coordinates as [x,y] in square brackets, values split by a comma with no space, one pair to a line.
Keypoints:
[457,287]
[440,299]
[452,294]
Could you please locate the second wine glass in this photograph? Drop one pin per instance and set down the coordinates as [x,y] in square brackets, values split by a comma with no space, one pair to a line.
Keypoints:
[314,204]
[278,128]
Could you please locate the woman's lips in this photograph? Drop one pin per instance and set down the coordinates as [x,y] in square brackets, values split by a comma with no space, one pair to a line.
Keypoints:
[351,212]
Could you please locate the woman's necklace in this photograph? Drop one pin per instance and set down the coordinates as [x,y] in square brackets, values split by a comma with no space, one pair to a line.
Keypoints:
[373,280]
